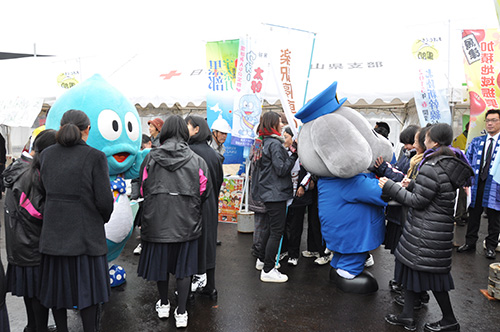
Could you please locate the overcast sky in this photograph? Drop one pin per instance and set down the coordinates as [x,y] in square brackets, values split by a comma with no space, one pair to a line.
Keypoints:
[93,27]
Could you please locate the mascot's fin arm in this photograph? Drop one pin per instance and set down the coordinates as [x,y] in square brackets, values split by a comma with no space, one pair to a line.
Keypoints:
[133,172]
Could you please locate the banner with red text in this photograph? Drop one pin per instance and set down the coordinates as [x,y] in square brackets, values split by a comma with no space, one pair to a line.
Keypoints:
[482,56]
[251,79]
[289,51]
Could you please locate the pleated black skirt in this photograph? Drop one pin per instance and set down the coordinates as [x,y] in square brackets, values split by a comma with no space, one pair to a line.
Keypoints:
[74,282]
[23,281]
[160,259]
[419,281]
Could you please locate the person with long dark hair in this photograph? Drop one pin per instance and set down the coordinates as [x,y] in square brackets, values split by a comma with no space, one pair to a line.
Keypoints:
[396,231]
[23,225]
[425,248]
[78,202]
[274,187]
[199,138]
[175,182]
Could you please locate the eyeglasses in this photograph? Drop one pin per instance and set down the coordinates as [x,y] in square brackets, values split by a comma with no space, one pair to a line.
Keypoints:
[491,120]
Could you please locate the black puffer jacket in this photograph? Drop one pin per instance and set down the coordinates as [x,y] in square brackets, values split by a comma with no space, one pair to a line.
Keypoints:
[426,243]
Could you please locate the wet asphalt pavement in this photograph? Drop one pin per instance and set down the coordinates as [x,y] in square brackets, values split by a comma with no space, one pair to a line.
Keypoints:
[307,302]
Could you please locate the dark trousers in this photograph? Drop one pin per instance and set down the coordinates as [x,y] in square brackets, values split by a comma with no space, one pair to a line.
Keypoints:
[315,241]
[461,212]
[475,221]
[276,212]
[295,226]
[261,226]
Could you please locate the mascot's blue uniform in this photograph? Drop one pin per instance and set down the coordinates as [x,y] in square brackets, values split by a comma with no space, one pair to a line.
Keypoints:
[338,144]
[116,131]
[352,219]
[352,201]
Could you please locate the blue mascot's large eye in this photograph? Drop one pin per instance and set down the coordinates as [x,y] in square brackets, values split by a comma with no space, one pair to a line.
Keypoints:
[132,126]
[110,125]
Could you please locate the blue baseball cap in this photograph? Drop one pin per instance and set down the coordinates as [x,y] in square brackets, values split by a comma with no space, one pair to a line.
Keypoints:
[324,103]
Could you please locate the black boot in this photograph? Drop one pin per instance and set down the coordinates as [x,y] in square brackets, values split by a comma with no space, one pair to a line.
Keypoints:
[212,293]
[364,283]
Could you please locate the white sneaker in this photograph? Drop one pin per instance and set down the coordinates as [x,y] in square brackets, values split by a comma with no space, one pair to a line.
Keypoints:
[293,261]
[259,265]
[181,320]
[163,310]
[369,261]
[273,276]
[199,281]
[323,260]
[138,249]
[310,254]
[283,255]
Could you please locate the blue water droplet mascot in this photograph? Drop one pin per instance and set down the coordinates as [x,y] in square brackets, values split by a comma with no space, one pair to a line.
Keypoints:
[116,131]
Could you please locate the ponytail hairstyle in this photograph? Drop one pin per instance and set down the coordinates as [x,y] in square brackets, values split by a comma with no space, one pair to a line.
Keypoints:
[442,134]
[43,140]
[73,122]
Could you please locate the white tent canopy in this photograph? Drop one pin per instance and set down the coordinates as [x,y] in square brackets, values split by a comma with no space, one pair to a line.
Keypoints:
[364,45]
[155,53]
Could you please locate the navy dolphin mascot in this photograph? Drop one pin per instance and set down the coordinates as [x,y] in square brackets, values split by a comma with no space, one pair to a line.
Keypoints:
[337,144]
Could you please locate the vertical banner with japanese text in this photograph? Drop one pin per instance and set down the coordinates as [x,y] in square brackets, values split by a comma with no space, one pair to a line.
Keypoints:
[251,72]
[431,92]
[482,70]
[290,53]
[221,64]
[482,55]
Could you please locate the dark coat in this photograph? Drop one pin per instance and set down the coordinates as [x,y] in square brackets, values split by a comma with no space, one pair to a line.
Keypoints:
[426,243]
[307,198]
[78,200]
[23,217]
[274,179]
[174,183]
[210,210]
[397,171]
[3,286]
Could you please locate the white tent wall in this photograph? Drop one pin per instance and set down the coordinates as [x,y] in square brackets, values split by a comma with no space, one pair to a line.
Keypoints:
[398,116]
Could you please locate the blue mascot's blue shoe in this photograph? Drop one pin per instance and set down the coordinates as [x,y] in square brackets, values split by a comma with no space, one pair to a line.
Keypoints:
[117,275]
[364,283]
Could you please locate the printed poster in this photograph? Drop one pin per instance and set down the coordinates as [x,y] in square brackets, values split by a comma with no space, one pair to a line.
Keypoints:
[251,78]
[221,63]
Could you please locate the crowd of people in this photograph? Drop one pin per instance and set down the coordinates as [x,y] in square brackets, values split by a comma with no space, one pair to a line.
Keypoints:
[63,178]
